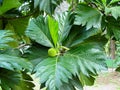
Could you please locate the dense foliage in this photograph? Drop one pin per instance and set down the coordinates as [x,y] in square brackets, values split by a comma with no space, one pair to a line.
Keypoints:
[64,50]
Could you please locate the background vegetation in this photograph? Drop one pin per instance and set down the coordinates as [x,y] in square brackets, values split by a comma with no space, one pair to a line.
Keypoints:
[66,50]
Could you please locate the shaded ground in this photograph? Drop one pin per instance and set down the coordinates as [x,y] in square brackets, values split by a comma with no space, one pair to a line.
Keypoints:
[106,81]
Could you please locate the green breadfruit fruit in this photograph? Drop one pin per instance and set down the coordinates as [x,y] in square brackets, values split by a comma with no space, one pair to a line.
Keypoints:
[52,52]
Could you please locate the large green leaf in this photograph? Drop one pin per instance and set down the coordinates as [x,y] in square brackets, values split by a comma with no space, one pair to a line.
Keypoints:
[86,15]
[9,4]
[79,34]
[75,30]
[55,71]
[38,30]
[84,34]
[47,5]
[14,63]
[88,52]
[65,21]
[54,78]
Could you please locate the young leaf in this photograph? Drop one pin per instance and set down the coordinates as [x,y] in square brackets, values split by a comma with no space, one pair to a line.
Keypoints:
[53,27]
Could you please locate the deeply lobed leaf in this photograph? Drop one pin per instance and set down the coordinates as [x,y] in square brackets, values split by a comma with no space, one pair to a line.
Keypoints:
[14,63]
[86,15]
[82,62]
[6,37]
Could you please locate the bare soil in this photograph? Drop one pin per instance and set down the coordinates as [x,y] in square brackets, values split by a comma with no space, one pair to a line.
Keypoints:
[106,81]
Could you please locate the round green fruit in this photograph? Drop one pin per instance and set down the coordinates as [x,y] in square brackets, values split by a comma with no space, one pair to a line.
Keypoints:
[52,52]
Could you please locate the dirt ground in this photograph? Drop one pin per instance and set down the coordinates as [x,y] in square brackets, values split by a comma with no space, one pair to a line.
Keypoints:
[106,81]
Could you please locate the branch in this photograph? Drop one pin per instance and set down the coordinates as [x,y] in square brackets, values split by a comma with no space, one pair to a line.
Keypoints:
[13,18]
[112,48]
